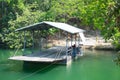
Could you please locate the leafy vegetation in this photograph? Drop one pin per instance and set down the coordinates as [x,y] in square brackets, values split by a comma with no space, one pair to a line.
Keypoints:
[93,14]
[117,60]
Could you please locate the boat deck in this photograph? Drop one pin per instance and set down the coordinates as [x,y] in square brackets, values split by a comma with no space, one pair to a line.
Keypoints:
[50,55]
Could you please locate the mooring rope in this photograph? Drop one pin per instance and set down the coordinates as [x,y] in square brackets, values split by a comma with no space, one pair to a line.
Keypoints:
[16,51]
[59,52]
[27,76]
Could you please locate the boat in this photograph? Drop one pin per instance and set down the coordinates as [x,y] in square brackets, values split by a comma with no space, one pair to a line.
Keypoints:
[56,54]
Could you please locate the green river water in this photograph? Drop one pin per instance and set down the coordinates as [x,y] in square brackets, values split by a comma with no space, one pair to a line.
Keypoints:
[94,65]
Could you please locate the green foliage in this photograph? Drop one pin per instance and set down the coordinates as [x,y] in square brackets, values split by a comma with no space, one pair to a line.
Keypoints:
[95,14]
[112,25]
[117,60]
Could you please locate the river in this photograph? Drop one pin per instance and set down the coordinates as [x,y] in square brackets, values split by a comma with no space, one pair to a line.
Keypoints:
[94,65]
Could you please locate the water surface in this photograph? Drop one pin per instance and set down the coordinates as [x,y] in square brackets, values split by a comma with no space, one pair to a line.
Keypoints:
[94,65]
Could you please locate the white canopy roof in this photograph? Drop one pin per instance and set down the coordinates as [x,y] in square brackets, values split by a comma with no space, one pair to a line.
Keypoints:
[62,26]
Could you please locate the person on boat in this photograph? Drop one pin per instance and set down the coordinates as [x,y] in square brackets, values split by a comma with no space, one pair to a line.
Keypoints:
[74,51]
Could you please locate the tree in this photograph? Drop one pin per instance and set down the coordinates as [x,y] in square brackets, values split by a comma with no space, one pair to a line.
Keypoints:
[112,25]
[95,14]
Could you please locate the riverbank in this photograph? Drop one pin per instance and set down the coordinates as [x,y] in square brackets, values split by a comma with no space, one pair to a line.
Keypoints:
[91,43]
[97,41]
[93,40]
[103,46]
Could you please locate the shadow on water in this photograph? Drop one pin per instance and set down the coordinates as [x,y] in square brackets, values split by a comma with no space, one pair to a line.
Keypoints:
[38,67]
[28,67]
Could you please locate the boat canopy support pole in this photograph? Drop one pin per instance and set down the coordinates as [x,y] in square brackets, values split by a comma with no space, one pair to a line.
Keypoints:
[78,40]
[24,44]
[75,38]
[32,41]
[66,45]
[71,39]
[39,40]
